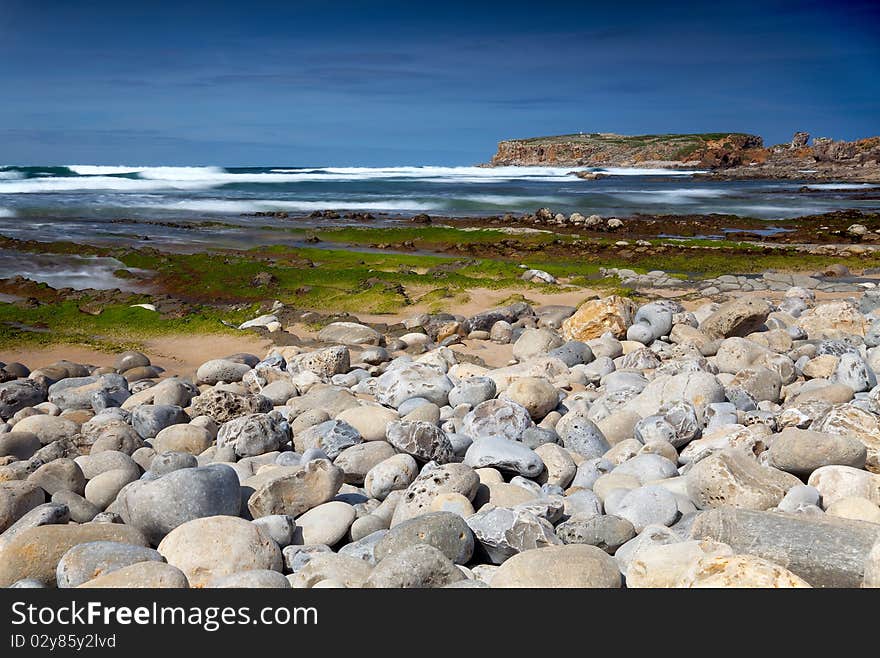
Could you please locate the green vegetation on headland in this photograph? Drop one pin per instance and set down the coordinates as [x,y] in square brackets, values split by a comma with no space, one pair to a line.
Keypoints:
[367,271]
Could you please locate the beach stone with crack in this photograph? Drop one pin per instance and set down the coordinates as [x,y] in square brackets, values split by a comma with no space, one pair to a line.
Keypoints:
[293,490]
[503,532]
[445,531]
[392,474]
[324,363]
[606,532]
[420,439]
[159,506]
[664,564]
[505,455]
[413,380]
[497,418]
[332,436]
[90,560]
[537,395]
[19,394]
[183,438]
[801,452]
[218,546]
[416,566]
[733,477]
[254,434]
[594,318]
[150,419]
[738,317]
[646,506]
[349,333]
[447,478]
[357,460]
[221,370]
[325,524]
[35,552]
[553,567]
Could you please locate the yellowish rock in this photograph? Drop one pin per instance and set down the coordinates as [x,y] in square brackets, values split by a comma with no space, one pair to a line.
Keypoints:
[598,316]
[740,571]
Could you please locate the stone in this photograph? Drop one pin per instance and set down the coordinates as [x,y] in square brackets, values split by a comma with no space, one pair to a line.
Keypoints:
[47,428]
[19,394]
[223,406]
[646,506]
[349,333]
[593,318]
[370,421]
[142,575]
[738,317]
[254,434]
[445,531]
[497,417]
[502,532]
[416,566]
[559,468]
[35,552]
[59,475]
[20,445]
[472,391]
[183,438]
[392,474]
[555,567]
[505,455]
[825,551]
[150,419]
[412,380]
[325,524]
[420,439]
[324,363]
[535,394]
[293,490]
[846,420]
[535,342]
[216,546]
[356,461]
[349,571]
[836,482]
[79,392]
[448,478]
[801,452]
[855,508]
[221,370]
[90,560]
[664,565]
[103,489]
[332,436]
[251,579]
[157,507]
[582,436]
[732,477]
[606,532]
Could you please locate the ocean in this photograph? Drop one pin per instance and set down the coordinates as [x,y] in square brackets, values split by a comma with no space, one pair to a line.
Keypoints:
[192,208]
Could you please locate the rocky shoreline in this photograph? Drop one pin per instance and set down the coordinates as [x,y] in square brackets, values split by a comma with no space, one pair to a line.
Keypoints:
[615,444]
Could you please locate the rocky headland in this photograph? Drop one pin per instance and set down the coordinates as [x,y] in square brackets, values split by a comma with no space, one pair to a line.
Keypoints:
[726,155]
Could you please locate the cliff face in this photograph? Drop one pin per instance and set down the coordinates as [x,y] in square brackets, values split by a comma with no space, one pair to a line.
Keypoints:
[608,149]
[733,155]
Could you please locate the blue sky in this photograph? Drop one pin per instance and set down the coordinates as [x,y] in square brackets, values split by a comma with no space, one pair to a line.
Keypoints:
[382,83]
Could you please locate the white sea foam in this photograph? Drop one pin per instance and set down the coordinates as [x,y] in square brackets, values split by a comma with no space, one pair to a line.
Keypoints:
[10,175]
[510,200]
[268,205]
[841,186]
[102,170]
[50,184]
[676,196]
[6,212]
